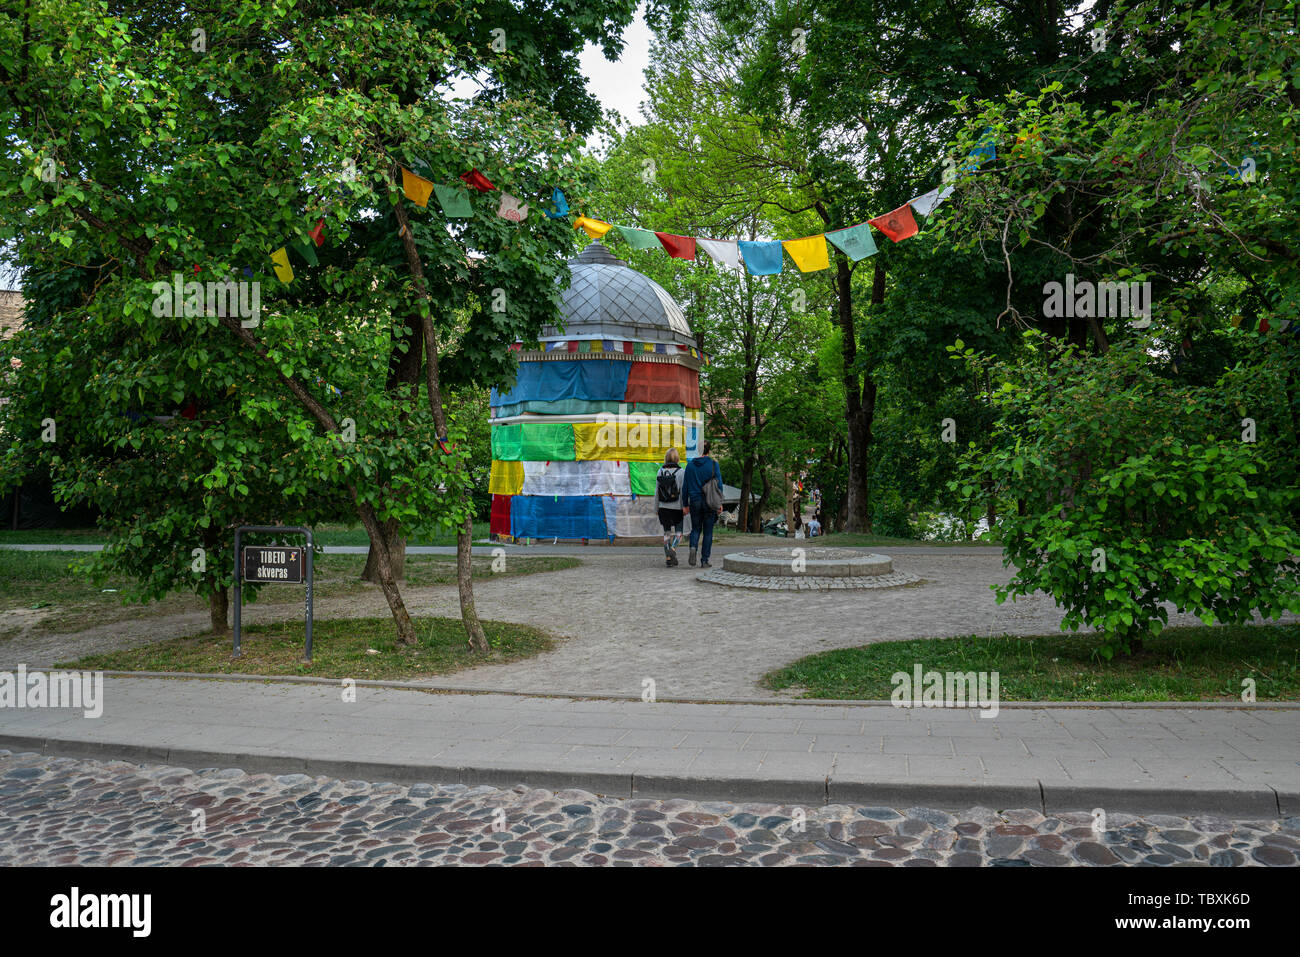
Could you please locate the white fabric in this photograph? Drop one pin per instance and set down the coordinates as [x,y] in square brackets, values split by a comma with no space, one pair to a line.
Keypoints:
[724,251]
[636,518]
[596,477]
[927,203]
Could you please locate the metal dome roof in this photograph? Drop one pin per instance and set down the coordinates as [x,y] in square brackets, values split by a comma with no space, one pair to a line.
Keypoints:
[607,299]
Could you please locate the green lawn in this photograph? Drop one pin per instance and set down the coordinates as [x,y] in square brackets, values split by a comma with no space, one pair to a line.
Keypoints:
[324,535]
[362,648]
[1181,664]
[69,600]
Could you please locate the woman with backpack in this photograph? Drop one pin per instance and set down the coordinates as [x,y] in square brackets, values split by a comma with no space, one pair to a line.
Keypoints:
[668,498]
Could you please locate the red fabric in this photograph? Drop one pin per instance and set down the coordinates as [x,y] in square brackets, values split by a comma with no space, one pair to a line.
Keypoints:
[500,523]
[316,233]
[896,225]
[627,346]
[573,345]
[679,247]
[661,382]
[478,181]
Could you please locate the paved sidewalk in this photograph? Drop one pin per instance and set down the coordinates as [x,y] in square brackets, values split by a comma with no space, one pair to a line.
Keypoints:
[1231,761]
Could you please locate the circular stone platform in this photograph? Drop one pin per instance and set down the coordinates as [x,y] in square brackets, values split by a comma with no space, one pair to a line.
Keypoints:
[796,568]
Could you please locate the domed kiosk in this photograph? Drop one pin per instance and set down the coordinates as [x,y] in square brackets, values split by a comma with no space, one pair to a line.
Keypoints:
[597,401]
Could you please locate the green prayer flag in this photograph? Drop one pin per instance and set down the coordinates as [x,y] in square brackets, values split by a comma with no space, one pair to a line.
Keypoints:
[640,238]
[454,201]
[855,242]
[306,253]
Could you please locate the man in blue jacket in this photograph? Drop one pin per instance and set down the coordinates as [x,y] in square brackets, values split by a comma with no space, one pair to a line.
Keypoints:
[698,472]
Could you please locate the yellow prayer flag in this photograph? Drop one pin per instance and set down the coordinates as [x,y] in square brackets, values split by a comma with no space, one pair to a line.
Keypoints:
[594,227]
[809,253]
[283,271]
[416,188]
[506,478]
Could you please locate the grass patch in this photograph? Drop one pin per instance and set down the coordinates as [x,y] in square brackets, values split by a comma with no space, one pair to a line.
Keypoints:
[1181,664]
[341,648]
[63,599]
[332,534]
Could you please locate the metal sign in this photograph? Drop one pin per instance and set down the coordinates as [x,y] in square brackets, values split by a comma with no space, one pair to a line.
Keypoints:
[274,563]
[278,564]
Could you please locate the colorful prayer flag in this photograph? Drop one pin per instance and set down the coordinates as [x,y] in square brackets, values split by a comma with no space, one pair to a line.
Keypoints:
[283,271]
[927,203]
[416,188]
[307,252]
[897,225]
[809,253]
[856,242]
[640,238]
[511,210]
[478,181]
[454,201]
[762,258]
[679,247]
[594,227]
[561,204]
[317,234]
[724,251]
[984,151]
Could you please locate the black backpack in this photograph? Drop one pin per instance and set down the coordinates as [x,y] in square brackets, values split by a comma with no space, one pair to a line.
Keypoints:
[669,491]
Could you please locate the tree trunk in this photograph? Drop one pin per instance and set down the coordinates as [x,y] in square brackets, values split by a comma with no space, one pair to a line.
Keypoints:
[218,603]
[746,487]
[395,542]
[402,618]
[464,583]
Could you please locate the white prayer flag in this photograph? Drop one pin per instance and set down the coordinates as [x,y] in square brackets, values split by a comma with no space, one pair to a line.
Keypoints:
[723,251]
[510,209]
[929,202]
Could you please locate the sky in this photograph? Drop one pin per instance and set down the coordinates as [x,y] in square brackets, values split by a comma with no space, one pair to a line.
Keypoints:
[620,86]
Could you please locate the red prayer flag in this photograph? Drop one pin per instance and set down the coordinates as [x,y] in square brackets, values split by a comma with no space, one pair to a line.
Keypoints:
[478,181]
[679,247]
[896,225]
[316,233]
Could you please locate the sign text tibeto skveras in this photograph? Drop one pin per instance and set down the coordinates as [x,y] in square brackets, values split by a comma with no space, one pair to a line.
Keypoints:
[272,564]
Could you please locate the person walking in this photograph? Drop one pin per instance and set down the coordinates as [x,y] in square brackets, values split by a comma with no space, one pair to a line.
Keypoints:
[669,491]
[705,502]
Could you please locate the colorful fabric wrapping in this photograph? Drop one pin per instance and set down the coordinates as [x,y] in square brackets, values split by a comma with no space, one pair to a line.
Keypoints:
[499,524]
[641,476]
[855,242]
[590,407]
[626,441]
[662,382]
[506,478]
[575,478]
[563,516]
[590,379]
[809,253]
[636,517]
[762,259]
[897,224]
[694,435]
[528,442]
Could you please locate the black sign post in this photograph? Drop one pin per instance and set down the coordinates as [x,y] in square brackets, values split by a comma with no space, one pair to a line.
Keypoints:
[279,564]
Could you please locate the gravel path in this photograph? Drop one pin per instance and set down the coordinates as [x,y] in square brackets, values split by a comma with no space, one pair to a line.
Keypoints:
[627,618]
[65,811]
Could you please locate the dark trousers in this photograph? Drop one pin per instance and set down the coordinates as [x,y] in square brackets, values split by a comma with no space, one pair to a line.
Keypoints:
[702,519]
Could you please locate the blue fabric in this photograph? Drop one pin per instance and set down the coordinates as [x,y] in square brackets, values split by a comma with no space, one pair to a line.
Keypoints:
[591,379]
[698,472]
[557,516]
[561,204]
[702,519]
[762,259]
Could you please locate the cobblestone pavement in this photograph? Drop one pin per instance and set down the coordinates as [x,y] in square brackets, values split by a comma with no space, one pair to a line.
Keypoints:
[627,617]
[66,811]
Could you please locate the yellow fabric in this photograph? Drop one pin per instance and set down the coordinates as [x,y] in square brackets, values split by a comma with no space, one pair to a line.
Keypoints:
[507,478]
[416,188]
[283,271]
[809,253]
[594,227]
[628,441]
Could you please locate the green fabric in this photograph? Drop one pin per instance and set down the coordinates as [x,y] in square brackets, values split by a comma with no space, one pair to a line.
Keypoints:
[640,238]
[642,476]
[586,407]
[306,253]
[529,442]
[454,201]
